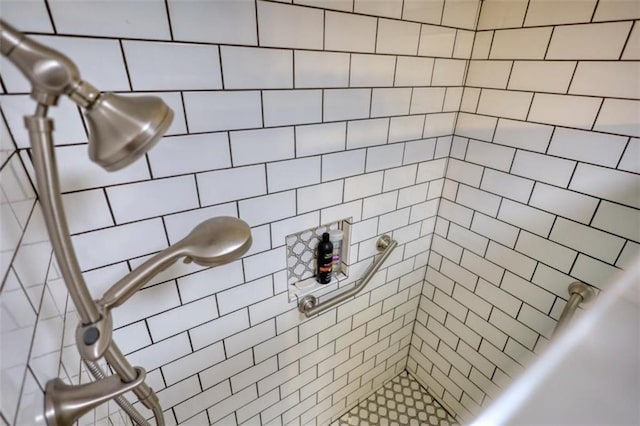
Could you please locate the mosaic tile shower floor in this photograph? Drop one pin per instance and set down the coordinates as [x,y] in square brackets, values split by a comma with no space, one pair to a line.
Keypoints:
[402,401]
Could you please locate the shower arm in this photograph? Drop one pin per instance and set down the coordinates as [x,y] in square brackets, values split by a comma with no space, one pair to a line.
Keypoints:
[51,75]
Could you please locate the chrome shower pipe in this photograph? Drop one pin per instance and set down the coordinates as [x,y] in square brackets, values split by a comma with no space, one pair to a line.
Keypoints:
[579,293]
[40,133]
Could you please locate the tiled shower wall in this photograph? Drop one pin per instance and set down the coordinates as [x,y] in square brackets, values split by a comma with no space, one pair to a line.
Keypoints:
[542,189]
[286,115]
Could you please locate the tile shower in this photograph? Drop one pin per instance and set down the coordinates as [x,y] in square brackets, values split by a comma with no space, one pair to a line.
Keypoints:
[497,142]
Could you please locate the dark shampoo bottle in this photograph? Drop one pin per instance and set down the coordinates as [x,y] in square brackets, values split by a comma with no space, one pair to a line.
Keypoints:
[325,259]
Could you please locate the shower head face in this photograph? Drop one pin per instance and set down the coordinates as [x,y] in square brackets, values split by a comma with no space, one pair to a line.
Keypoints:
[216,241]
[122,129]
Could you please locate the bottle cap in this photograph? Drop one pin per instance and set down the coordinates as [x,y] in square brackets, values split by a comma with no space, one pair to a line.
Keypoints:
[325,236]
[336,235]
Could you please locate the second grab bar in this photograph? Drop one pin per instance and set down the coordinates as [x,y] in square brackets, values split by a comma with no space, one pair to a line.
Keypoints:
[309,305]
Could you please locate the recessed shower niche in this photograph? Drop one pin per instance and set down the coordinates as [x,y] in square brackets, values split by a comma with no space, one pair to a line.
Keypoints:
[302,260]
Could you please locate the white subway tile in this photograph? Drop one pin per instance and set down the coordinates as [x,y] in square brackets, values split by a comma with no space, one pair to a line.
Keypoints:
[283,25]
[546,251]
[132,337]
[629,255]
[481,267]
[563,110]
[511,260]
[389,9]
[269,69]
[564,203]
[461,14]
[161,353]
[529,43]
[494,229]
[244,295]
[417,10]
[526,217]
[500,298]
[624,85]
[464,44]
[343,164]
[470,98]
[250,337]
[412,195]
[259,210]
[629,161]
[455,213]
[223,412]
[448,72]
[363,186]
[464,172]
[504,103]
[453,99]
[507,185]
[613,185]
[148,199]
[225,21]
[431,170]
[530,136]
[318,196]
[100,61]
[587,146]
[482,45]
[491,155]
[320,138]
[395,220]
[344,5]
[293,173]
[211,111]
[499,14]
[589,41]
[619,116]
[321,69]
[246,413]
[427,100]
[476,126]
[111,245]
[439,124]
[436,41]
[594,272]
[541,12]
[198,285]
[86,211]
[513,328]
[386,102]
[268,308]
[614,10]
[412,71]
[346,104]
[365,133]
[159,66]
[418,151]
[543,168]
[490,74]
[351,33]
[347,210]
[587,240]
[231,184]
[541,76]
[478,200]
[201,401]
[467,239]
[146,20]
[406,128]
[400,177]
[182,318]
[384,157]
[197,153]
[372,70]
[218,329]
[379,204]
[280,230]
[282,107]
[397,37]
[258,146]
[147,302]
[620,220]
[632,49]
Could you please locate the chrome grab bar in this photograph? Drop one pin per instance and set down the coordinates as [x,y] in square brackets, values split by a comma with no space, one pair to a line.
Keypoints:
[309,305]
[578,293]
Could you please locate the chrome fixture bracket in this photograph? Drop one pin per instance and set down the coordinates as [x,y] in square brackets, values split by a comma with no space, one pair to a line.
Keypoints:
[309,305]
[64,404]
[93,338]
[579,292]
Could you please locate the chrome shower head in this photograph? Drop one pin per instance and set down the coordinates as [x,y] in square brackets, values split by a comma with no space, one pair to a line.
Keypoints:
[122,129]
[216,241]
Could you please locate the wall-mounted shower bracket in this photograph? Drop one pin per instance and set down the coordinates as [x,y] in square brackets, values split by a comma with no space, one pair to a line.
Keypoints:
[64,404]
[93,339]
